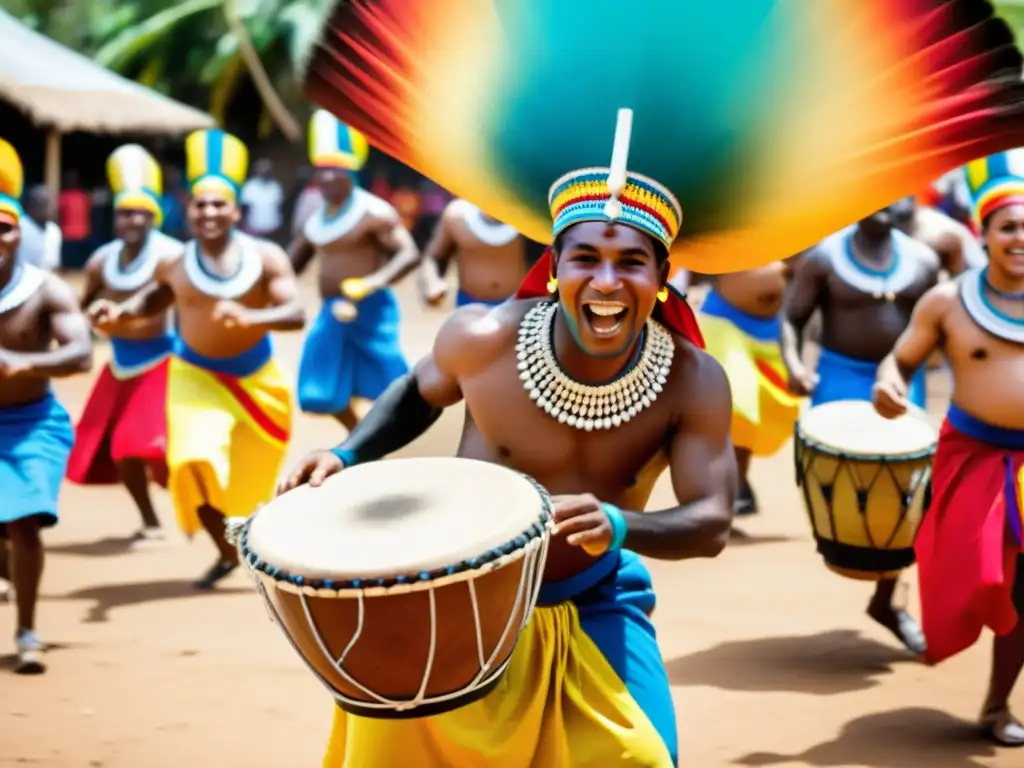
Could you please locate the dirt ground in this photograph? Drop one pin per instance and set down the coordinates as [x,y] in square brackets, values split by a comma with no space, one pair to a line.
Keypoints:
[772,659]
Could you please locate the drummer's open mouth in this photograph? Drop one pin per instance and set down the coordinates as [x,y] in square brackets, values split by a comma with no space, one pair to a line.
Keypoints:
[605,318]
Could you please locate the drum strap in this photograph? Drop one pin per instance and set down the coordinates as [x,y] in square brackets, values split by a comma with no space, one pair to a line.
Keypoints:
[397,418]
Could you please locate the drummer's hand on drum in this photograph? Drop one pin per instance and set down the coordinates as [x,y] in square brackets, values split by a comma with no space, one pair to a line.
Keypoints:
[801,381]
[890,399]
[583,522]
[313,469]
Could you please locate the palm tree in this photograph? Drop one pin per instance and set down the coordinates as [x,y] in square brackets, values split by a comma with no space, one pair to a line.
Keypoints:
[212,44]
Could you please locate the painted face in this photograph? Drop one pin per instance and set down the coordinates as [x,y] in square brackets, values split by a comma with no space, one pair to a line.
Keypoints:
[212,216]
[1004,238]
[132,225]
[608,283]
[335,184]
[10,238]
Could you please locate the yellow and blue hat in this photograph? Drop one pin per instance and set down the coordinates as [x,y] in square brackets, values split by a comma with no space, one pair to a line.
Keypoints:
[995,182]
[136,180]
[215,163]
[332,144]
[12,182]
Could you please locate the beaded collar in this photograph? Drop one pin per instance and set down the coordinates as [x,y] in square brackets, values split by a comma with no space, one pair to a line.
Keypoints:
[485,231]
[24,282]
[974,296]
[249,271]
[322,230]
[879,283]
[143,266]
[583,406]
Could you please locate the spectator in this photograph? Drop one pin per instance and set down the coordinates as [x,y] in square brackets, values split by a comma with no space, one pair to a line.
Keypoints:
[75,205]
[40,237]
[174,203]
[308,200]
[262,201]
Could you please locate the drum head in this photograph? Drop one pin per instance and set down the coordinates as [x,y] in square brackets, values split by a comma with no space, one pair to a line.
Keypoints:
[854,428]
[398,517]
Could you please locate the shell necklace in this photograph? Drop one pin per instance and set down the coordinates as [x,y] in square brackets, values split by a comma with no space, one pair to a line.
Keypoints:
[321,229]
[249,271]
[580,405]
[881,284]
[973,287]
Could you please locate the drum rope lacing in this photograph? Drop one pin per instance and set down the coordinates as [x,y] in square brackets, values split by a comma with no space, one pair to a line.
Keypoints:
[584,406]
[533,553]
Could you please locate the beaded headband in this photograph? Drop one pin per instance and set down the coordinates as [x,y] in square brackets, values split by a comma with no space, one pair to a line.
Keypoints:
[616,195]
[995,182]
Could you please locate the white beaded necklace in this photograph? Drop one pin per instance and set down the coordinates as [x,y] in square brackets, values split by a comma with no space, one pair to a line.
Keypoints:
[24,282]
[580,405]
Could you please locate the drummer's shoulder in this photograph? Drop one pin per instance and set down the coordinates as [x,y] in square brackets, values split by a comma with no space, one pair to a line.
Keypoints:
[480,332]
[698,379]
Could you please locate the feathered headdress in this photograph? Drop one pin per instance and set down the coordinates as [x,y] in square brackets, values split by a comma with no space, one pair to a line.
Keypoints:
[758,126]
[216,162]
[136,181]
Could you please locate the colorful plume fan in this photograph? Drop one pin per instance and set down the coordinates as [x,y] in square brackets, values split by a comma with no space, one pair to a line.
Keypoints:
[773,122]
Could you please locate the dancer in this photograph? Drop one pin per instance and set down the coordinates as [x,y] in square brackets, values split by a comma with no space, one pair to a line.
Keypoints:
[865,280]
[42,335]
[228,401]
[969,548]
[491,257]
[122,435]
[957,247]
[352,350]
[586,685]
[742,326]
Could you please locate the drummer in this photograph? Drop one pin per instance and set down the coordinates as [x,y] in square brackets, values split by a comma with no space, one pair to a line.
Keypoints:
[741,319]
[970,566]
[601,294]
[865,280]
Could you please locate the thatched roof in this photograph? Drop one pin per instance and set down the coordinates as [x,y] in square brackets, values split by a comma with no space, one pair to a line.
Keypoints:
[60,88]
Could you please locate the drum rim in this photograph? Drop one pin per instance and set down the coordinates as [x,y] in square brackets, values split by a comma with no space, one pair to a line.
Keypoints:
[828,450]
[494,558]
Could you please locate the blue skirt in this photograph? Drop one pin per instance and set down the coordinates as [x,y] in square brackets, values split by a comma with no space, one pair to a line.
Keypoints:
[35,441]
[357,359]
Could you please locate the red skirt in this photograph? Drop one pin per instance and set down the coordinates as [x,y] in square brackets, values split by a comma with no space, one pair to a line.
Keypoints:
[123,419]
[966,547]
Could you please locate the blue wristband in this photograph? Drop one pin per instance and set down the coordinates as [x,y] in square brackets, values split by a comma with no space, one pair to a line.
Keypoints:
[618,523]
[348,458]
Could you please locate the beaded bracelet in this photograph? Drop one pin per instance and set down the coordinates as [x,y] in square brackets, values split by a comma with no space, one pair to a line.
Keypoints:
[348,457]
[618,523]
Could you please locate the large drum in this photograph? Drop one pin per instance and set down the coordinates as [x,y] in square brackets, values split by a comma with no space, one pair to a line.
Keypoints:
[865,482]
[403,584]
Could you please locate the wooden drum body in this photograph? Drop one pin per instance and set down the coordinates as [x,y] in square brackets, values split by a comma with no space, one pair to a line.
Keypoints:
[865,482]
[403,584]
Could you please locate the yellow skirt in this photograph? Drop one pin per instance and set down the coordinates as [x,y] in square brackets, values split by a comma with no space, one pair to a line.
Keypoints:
[764,411]
[561,703]
[226,438]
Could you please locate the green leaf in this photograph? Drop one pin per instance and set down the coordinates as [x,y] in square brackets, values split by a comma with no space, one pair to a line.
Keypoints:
[120,51]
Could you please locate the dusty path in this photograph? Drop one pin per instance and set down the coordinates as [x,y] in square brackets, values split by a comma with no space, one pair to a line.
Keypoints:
[772,658]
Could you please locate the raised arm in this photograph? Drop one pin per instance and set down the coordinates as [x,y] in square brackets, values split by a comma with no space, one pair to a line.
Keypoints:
[704,475]
[284,310]
[408,407]
[70,331]
[93,279]
[922,337]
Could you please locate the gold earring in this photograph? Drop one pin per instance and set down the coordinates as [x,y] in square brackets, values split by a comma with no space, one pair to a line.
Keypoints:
[552,284]
[663,295]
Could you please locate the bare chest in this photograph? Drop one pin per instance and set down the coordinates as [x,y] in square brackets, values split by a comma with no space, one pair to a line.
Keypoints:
[189,298]
[24,328]
[565,459]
